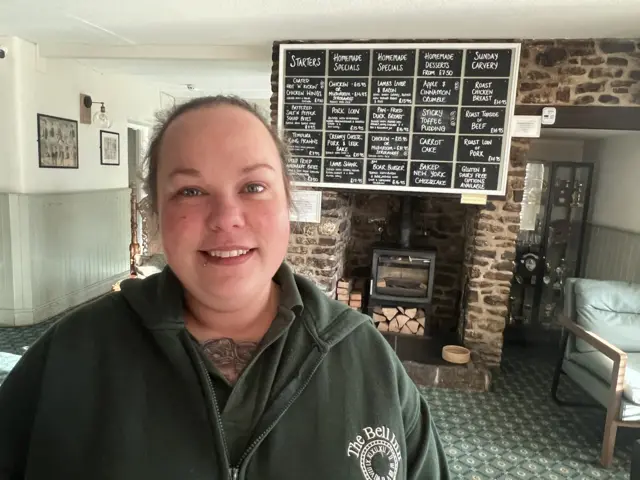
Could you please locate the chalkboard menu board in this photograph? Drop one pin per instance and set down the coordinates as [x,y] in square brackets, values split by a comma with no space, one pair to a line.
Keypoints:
[399,117]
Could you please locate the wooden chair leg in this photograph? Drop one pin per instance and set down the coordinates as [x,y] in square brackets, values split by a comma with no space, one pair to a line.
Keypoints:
[608,441]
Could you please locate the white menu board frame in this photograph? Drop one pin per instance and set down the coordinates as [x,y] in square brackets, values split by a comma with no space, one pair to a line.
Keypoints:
[512,80]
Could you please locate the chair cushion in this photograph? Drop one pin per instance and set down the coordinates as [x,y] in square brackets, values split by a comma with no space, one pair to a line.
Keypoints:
[601,366]
[611,310]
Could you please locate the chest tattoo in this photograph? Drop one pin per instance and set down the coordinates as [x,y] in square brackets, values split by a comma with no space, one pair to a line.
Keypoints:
[230,357]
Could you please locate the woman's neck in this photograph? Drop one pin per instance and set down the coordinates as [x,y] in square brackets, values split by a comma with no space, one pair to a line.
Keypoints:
[246,324]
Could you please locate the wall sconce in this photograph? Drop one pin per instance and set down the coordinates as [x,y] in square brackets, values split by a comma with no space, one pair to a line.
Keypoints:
[100,118]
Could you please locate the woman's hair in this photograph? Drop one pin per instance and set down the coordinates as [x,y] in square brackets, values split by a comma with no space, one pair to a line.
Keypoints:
[166,118]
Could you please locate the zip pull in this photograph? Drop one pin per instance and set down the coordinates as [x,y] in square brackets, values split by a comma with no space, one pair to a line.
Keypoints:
[233,473]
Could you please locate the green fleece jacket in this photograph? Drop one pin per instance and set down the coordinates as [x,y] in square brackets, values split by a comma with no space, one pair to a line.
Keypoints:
[118,390]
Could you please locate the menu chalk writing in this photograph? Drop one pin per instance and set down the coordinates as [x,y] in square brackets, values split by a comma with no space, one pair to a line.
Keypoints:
[304,90]
[438,91]
[429,174]
[349,63]
[306,144]
[393,91]
[483,120]
[485,91]
[345,145]
[304,169]
[477,177]
[346,118]
[440,63]
[414,117]
[390,119]
[384,172]
[432,147]
[348,91]
[344,171]
[388,146]
[303,117]
[479,149]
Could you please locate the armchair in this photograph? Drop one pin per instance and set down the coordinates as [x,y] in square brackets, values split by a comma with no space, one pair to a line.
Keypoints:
[601,351]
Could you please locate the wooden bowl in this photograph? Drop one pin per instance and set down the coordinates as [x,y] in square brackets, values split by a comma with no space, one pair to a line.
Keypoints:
[456,354]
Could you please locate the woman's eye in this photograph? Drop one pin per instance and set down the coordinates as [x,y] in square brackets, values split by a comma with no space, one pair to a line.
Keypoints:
[190,192]
[254,188]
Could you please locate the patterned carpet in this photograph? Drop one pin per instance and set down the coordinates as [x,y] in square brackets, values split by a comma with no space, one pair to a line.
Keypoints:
[513,432]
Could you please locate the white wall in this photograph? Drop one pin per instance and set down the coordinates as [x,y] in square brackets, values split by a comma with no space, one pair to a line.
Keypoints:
[53,87]
[9,150]
[556,150]
[616,195]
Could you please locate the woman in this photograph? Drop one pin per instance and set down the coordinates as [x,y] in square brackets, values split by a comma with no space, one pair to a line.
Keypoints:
[226,365]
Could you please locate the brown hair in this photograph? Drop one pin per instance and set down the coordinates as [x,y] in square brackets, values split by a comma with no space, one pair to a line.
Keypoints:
[166,118]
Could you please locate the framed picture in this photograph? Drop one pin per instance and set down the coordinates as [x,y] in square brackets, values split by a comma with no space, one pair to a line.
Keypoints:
[57,142]
[109,148]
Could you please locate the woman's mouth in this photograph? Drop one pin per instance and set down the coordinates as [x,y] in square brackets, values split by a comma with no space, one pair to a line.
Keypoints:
[226,257]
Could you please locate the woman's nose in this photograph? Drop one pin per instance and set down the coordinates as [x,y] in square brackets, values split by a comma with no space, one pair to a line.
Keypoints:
[225,213]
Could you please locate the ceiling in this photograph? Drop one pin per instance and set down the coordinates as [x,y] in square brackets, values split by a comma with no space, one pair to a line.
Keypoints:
[131,23]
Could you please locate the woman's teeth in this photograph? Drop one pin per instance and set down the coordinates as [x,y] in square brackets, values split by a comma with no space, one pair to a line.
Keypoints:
[227,253]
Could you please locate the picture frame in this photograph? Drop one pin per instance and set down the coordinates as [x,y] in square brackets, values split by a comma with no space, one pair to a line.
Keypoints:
[109,148]
[57,142]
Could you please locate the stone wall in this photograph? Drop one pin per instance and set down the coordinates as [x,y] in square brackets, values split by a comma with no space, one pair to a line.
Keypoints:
[580,72]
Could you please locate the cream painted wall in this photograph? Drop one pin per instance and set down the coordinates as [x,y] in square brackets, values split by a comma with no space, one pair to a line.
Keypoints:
[9,148]
[616,195]
[53,87]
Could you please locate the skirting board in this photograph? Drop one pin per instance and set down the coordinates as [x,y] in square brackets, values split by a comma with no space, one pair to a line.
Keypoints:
[22,318]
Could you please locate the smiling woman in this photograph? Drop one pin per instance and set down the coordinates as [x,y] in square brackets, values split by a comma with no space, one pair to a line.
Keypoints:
[226,364]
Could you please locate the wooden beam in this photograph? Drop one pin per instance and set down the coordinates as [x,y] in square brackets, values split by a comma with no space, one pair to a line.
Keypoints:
[592,118]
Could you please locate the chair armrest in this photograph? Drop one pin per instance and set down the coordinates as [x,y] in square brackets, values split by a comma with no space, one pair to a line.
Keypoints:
[599,343]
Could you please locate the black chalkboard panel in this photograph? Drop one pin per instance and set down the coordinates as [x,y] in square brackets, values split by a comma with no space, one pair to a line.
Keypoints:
[386,172]
[304,169]
[439,63]
[349,63]
[343,144]
[304,90]
[432,91]
[389,119]
[386,145]
[305,62]
[392,91]
[483,120]
[346,118]
[435,120]
[488,63]
[394,63]
[305,144]
[343,171]
[477,177]
[479,149]
[430,174]
[432,147]
[486,92]
[347,91]
[303,117]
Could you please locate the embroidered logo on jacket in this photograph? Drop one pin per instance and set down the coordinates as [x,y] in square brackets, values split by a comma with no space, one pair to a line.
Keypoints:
[377,452]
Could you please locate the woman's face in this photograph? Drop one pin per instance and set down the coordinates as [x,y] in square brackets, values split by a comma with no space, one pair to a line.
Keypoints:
[222,204]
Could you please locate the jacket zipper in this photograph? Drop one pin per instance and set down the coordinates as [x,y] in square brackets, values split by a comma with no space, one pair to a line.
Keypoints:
[233,471]
[266,432]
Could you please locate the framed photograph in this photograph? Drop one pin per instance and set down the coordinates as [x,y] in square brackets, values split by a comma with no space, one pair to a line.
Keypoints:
[57,142]
[109,148]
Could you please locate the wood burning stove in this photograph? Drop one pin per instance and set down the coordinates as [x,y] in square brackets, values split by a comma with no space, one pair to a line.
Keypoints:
[401,275]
